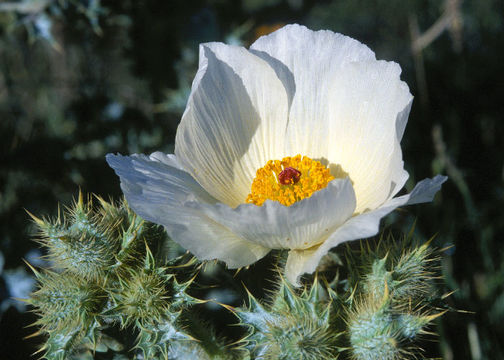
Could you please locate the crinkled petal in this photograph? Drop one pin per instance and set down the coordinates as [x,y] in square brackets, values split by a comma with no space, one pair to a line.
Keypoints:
[159,190]
[299,226]
[314,58]
[348,109]
[359,227]
[234,122]
[370,106]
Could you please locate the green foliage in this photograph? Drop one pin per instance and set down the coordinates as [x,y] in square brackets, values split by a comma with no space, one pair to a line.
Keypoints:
[379,310]
[66,302]
[68,307]
[91,242]
[384,331]
[83,243]
[405,272]
[391,306]
[150,294]
[294,326]
[107,280]
[114,287]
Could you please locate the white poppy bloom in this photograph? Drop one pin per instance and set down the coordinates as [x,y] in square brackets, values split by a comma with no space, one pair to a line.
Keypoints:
[292,144]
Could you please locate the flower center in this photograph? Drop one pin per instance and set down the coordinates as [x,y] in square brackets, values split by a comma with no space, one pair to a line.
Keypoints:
[288,180]
[289,176]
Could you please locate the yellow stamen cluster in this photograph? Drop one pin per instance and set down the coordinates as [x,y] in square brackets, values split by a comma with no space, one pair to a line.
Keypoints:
[266,185]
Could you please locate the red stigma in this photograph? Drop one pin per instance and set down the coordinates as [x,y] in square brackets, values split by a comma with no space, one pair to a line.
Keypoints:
[289,176]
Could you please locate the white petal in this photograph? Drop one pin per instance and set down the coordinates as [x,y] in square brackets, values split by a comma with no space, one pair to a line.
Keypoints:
[359,227]
[370,106]
[159,190]
[234,122]
[299,226]
[314,59]
[424,191]
[348,108]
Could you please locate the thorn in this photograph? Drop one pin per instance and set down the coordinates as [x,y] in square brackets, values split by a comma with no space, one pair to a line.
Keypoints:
[102,201]
[466,312]
[237,271]
[39,350]
[225,306]
[37,220]
[385,292]
[27,301]
[352,295]
[37,274]
[429,318]
[447,247]
[247,290]
[59,215]
[149,258]
[190,281]
[444,296]
[35,324]
[80,202]
[387,254]
[428,242]
[36,333]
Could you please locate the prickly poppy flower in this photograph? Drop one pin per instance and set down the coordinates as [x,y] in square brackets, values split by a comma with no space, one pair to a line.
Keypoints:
[292,144]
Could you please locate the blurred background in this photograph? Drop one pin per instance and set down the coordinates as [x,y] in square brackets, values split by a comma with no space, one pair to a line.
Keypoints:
[81,78]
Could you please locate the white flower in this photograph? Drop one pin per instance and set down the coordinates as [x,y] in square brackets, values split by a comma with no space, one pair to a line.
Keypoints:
[319,94]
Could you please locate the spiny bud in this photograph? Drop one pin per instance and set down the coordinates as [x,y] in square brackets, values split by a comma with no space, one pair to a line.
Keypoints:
[372,332]
[295,326]
[108,276]
[389,308]
[91,241]
[149,294]
[80,241]
[414,272]
[382,331]
[68,307]
[65,302]
[406,268]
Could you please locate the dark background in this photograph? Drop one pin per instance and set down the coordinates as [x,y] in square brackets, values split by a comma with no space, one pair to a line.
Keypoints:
[79,79]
